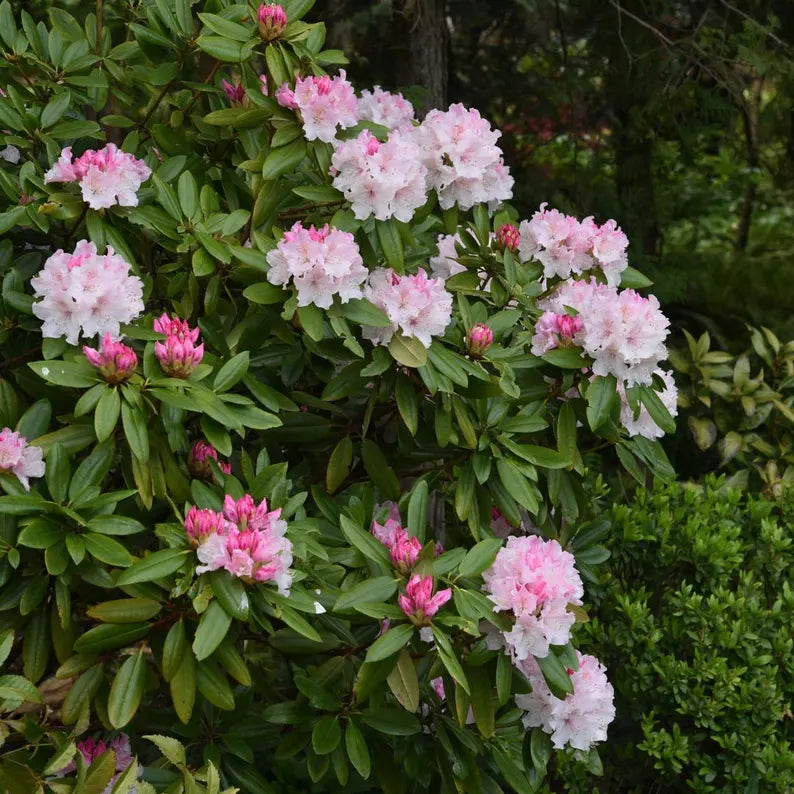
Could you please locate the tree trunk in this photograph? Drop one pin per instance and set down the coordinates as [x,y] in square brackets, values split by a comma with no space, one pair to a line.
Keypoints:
[422,25]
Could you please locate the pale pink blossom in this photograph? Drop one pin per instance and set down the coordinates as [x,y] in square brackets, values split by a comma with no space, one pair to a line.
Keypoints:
[115,361]
[445,265]
[386,108]
[324,103]
[272,21]
[198,461]
[566,246]
[535,580]
[418,601]
[644,425]
[622,331]
[464,164]
[179,354]
[319,263]
[387,180]
[478,339]
[415,305]
[108,176]
[86,292]
[579,720]
[554,330]
[19,458]
[388,532]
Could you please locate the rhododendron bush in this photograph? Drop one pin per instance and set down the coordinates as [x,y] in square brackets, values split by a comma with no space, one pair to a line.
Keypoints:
[296,418]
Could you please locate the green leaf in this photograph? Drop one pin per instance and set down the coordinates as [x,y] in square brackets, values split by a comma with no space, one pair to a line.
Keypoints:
[212,628]
[365,313]
[220,48]
[365,542]
[264,294]
[311,319]
[36,646]
[339,464]
[479,557]
[300,624]
[408,351]
[6,643]
[390,643]
[126,691]
[316,193]
[417,510]
[380,588]
[107,413]
[188,193]
[156,565]
[107,550]
[100,773]
[464,492]
[57,473]
[109,636]
[516,485]
[183,688]
[171,748]
[565,358]
[633,279]
[231,593]
[55,108]
[326,735]
[555,675]
[174,649]
[115,525]
[357,749]
[83,689]
[65,373]
[482,700]
[407,403]
[226,28]
[379,471]
[136,431]
[231,372]
[391,243]
[125,610]
[450,659]
[504,678]
[284,159]
[601,397]
[394,722]
[404,682]
[650,398]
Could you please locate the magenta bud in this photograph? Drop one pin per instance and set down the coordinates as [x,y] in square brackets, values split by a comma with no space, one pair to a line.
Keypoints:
[507,237]
[272,21]
[116,362]
[479,339]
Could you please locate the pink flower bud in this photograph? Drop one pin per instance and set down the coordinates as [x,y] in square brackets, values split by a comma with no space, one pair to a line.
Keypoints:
[200,524]
[116,362]
[405,551]
[507,237]
[568,326]
[263,84]
[285,96]
[418,602]
[272,22]
[479,339]
[198,461]
[235,92]
[178,355]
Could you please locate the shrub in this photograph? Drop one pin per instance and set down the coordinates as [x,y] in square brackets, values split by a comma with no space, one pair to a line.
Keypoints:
[267,516]
[695,623]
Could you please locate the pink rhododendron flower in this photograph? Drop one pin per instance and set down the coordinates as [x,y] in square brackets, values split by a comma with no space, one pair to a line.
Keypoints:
[403,548]
[107,176]
[179,355]
[464,164]
[478,339]
[535,579]
[86,292]
[198,461]
[581,719]
[115,361]
[622,331]
[383,107]
[444,264]
[19,458]
[507,237]
[387,180]
[91,749]
[324,103]
[246,539]
[418,601]
[554,330]
[320,263]
[438,687]
[565,246]
[235,92]
[272,21]
[415,305]
[644,425]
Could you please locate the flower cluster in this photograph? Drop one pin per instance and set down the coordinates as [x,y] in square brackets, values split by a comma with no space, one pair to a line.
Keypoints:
[464,164]
[198,462]
[535,579]
[19,458]
[324,103]
[86,291]
[403,548]
[245,539]
[418,601]
[622,331]
[579,720]
[644,425]
[320,263]
[179,355]
[106,177]
[565,246]
[383,107]
[387,180]
[91,749]
[115,361]
[554,330]
[416,305]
